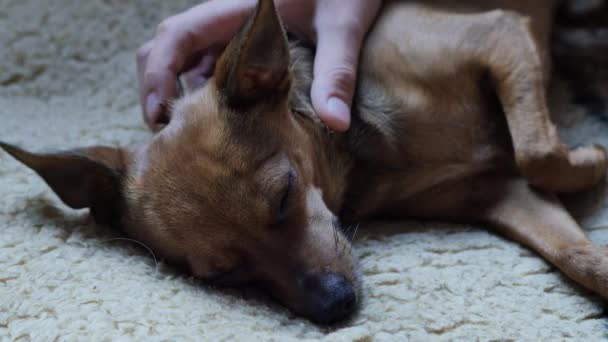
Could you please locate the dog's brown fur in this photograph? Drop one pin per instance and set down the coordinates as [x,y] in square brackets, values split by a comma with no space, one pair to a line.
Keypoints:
[450,121]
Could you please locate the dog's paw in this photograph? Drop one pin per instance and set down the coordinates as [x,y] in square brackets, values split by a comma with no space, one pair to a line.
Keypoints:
[564,170]
[591,162]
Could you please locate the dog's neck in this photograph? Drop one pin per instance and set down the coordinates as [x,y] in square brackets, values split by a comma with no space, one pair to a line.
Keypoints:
[327,151]
[329,159]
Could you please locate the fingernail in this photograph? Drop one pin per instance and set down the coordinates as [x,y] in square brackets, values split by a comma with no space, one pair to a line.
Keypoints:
[339,110]
[152,106]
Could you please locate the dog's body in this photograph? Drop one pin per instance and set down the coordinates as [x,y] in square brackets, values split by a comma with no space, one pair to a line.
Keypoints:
[450,121]
[428,119]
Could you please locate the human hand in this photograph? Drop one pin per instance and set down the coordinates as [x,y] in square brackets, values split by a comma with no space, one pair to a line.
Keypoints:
[189,43]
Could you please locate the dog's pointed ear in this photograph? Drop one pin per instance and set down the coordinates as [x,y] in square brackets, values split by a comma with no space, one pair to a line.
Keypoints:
[255,65]
[82,178]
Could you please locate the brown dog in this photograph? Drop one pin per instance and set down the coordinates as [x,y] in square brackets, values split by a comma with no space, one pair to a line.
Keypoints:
[450,121]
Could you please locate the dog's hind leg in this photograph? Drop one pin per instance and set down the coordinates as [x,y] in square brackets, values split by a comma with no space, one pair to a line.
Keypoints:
[540,222]
[518,66]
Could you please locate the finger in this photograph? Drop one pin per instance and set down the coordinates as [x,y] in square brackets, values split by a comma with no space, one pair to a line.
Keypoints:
[340,28]
[165,60]
[141,58]
[335,68]
[197,76]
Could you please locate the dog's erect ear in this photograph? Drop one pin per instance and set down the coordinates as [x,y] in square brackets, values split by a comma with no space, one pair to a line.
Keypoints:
[82,178]
[255,65]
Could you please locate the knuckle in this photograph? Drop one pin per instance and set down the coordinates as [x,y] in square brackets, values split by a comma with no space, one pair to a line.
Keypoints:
[345,26]
[343,77]
[143,52]
[352,27]
[152,77]
[342,73]
[166,26]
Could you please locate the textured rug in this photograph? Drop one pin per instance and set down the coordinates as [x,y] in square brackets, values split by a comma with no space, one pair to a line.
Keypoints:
[67,77]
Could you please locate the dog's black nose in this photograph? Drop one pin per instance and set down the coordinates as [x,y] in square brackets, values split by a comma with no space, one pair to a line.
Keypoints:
[331,297]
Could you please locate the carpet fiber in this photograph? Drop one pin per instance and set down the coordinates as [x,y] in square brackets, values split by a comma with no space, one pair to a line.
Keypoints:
[67,77]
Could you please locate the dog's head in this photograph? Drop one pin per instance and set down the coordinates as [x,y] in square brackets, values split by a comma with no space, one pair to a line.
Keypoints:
[228,187]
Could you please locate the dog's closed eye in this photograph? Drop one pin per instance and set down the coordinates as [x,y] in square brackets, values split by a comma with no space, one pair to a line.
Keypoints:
[286,200]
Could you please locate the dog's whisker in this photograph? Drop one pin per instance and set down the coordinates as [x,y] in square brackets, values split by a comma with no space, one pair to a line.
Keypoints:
[355,232]
[334,227]
[145,246]
[352,240]
[345,244]
[347,231]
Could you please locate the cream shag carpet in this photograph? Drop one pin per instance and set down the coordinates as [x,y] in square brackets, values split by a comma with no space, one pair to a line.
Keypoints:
[68,79]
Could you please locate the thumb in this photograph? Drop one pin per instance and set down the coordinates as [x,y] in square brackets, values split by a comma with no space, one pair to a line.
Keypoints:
[335,76]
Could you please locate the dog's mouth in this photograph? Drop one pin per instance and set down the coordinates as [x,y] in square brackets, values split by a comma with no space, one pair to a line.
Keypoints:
[324,298]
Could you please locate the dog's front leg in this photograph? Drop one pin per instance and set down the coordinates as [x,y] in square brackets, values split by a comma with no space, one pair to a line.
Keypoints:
[518,66]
